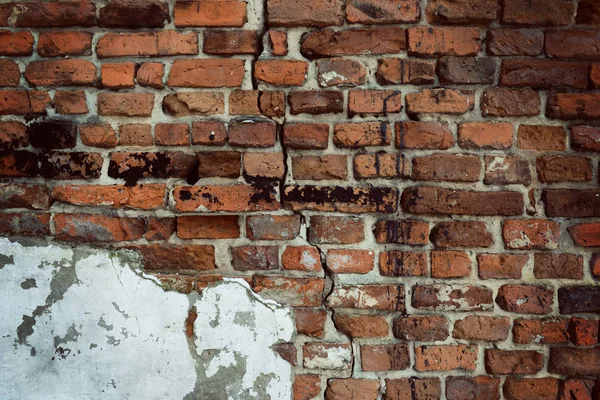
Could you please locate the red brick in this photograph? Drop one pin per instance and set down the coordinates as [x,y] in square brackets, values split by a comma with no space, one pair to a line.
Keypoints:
[316,102]
[208,227]
[23,102]
[57,14]
[159,228]
[411,232]
[495,136]
[461,234]
[145,44]
[172,134]
[350,261]
[477,387]
[10,74]
[272,227]
[530,234]
[361,326]
[58,44]
[340,199]
[206,73]
[575,362]
[135,14]
[573,44]
[335,230]
[433,200]
[305,292]
[36,197]
[316,356]
[272,103]
[236,198]
[357,41]
[585,138]
[316,13]
[244,102]
[305,136]
[452,298]
[417,388]
[586,235]
[135,135]
[134,166]
[446,167]
[182,104]
[466,70]
[579,389]
[525,299]
[571,203]
[573,106]
[506,171]
[223,164]
[118,76]
[457,12]
[144,197]
[25,224]
[136,104]
[394,71]
[281,72]
[554,169]
[530,388]
[515,42]
[393,12]
[503,102]
[377,102]
[98,135]
[538,12]
[70,165]
[424,41]
[249,258]
[402,263]
[558,266]
[310,322]
[583,331]
[361,134]
[423,135]
[255,134]
[450,264]
[61,73]
[341,389]
[278,42]
[230,42]
[209,13]
[320,168]
[505,362]
[381,165]
[371,297]
[384,357]
[150,74]
[306,387]
[16,44]
[301,258]
[70,102]
[178,258]
[540,137]
[544,74]
[595,265]
[482,327]
[340,72]
[421,328]
[587,13]
[445,358]
[13,134]
[97,228]
[440,101]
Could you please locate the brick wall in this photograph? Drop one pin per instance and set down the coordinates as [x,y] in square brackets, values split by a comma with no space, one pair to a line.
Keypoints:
[419,180]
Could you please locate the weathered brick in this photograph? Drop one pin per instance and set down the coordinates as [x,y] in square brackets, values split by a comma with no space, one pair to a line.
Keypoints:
[97,228]
[466,70]
[530,234]
[70,102]
[206,73]
[61,73]
[541,137]
[558,266]
[9,73]
[310,322]
[450,264]
[70,165]
[361,134]
[503,102]
[553,169]
[579,299]
[372,297]
[278,42]
[417,388]
[573,361]
[378,102]
[381,165]
[409,232]
[476,387]
[16,44]
[573,44]
[236,198]
[585,138]
[135,14]
[57,14]
[440,101]
[357,41]
[281,72]
[230,42]
[320,168]
[306,387]
[125,104]
[264,165]
[301,258]
[530,388]
[374,12]
[350,261]
[423,135]
[475,135]
[133,166]
[452,297]
[340,389]
[457,12]
[144,197]
[250,258]
[544,74]
[361,326]
[571,203]
[209,13]
[208,227]
[501,266]
[446,167]
[335,230]
[118,76]
[150,74]
[304,292]
[340,199]
[316,102]
[421,328]
[145,44]
[58,44]
[587,13]
[252,134]
[538,12]
[52,134]
[340,72]
[445,358]
[506,171]
[177,258]
[583,331]
[402,263]
[25,224]
[316,13]
[13,134]
[272,227]
[515,42]
[316,356]
[36,197]
[525,299]
[573,106]
[482,327]
[586,235]
[394,71]
[135,135]
[461,234]
[384,357]
[183,104]
[20,102]
[427,42]
[522,362]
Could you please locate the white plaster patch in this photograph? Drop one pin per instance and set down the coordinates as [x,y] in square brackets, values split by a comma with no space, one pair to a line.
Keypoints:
[234,333]
[85,326]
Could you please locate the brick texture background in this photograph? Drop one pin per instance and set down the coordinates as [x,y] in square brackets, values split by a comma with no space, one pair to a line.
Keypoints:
[418,179]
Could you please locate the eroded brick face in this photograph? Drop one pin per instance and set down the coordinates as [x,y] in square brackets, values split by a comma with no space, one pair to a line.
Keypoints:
[417,179]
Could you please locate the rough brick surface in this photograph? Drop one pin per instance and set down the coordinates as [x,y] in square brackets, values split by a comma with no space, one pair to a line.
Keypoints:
[418,179]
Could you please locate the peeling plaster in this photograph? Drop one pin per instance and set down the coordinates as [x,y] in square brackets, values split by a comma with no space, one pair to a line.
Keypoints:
[89,324]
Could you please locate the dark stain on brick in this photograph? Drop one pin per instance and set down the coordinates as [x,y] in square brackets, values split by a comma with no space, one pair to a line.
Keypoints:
[52,134]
